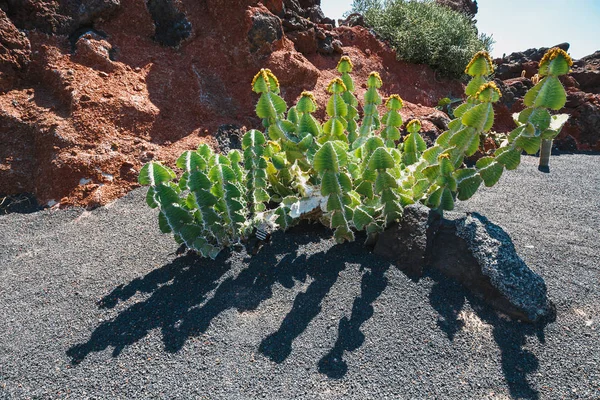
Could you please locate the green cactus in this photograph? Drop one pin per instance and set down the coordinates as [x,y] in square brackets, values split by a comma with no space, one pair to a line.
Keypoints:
[352,179]
[370,121]
[337,109]
[253,144]
[392,120]
[345,67]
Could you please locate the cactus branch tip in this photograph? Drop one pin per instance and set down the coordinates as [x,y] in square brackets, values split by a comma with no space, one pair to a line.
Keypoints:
[554,53]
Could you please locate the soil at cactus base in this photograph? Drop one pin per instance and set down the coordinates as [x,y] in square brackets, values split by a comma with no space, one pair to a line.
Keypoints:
[97,304]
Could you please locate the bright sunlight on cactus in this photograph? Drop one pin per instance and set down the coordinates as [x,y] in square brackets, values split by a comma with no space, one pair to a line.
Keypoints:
[350,174]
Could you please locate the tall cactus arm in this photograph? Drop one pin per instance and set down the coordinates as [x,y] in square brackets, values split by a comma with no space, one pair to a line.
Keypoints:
[392,120]
[330,162]
[345,67]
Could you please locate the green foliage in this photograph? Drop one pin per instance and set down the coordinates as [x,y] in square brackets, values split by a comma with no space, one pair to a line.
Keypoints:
[425,32]
[299,168]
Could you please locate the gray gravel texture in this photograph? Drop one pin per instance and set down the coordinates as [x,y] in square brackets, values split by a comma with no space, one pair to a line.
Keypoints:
[97,305]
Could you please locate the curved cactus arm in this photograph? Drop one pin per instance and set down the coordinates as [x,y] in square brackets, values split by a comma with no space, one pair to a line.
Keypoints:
[229,203]
[440,194]
[385,184]
[335,127]
[535,121]
[345,67]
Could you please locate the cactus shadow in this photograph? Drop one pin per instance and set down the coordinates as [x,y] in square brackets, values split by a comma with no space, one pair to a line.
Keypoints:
[448,298]
[350,337]
[182,298]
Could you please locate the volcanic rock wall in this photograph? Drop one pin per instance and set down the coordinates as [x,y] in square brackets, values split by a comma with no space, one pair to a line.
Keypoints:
[92,89]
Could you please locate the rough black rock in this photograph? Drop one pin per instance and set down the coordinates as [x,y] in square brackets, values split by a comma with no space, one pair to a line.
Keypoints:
[266,28]
[498,260]
[473,251]
[170,24]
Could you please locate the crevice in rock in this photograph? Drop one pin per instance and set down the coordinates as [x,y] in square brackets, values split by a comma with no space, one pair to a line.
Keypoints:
[171,26]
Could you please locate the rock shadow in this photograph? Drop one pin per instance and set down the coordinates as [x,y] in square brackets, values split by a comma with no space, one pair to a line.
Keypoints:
[448,298]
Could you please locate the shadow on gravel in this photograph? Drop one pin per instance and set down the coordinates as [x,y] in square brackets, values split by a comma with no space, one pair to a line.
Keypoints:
[187,294]
[350,337]
[448,297]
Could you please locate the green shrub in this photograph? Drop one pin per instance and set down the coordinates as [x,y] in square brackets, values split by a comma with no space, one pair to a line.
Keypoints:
[425,32]
[349,173]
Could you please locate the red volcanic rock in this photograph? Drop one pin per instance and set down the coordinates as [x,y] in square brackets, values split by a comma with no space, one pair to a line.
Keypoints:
[152,79]
[15,52]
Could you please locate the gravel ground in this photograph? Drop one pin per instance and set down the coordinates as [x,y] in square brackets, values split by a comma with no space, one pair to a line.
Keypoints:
[98,305]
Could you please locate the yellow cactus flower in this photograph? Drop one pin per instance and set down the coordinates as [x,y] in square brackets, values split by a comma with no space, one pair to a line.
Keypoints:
[481,54]
[394,97]
[265,73]
[335,82]
[414,123]
[489,85]
[555,52]
[374,80]
[308,94]
[345,59]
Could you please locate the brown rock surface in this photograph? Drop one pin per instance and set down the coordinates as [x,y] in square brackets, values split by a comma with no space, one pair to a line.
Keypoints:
[99,95]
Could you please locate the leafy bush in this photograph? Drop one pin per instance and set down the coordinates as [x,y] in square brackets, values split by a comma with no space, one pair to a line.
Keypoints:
[425,32]
[351,174]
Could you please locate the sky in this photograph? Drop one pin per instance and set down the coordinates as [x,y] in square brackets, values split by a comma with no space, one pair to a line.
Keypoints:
[518,25]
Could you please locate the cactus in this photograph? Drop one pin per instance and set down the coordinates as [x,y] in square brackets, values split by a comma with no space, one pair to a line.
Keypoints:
[350,178]
[345,67]
[392,120]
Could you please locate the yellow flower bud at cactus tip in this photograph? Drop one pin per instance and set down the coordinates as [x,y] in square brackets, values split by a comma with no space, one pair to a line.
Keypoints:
[267,76]
[394,102]
[308,94]
[413,126]
[477,68]
[555,52]
[336,86]
[445,155]
[374,80]
[555,62]
[345,64]
[486,86]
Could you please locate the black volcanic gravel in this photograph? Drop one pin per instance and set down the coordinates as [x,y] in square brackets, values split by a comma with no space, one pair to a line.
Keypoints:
[98,305]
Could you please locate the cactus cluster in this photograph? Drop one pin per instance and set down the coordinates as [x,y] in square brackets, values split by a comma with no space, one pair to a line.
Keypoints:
[350,174]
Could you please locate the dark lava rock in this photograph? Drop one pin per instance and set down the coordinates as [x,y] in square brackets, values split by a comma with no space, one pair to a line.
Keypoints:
[266,28]
[471,250]
[467,7]
[587,73]
[170,24]
[61,17]
[512,65]
[229,137]
[406,242]
[481,256]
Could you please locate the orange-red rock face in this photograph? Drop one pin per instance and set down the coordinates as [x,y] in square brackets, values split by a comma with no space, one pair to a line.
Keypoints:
[83,105]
